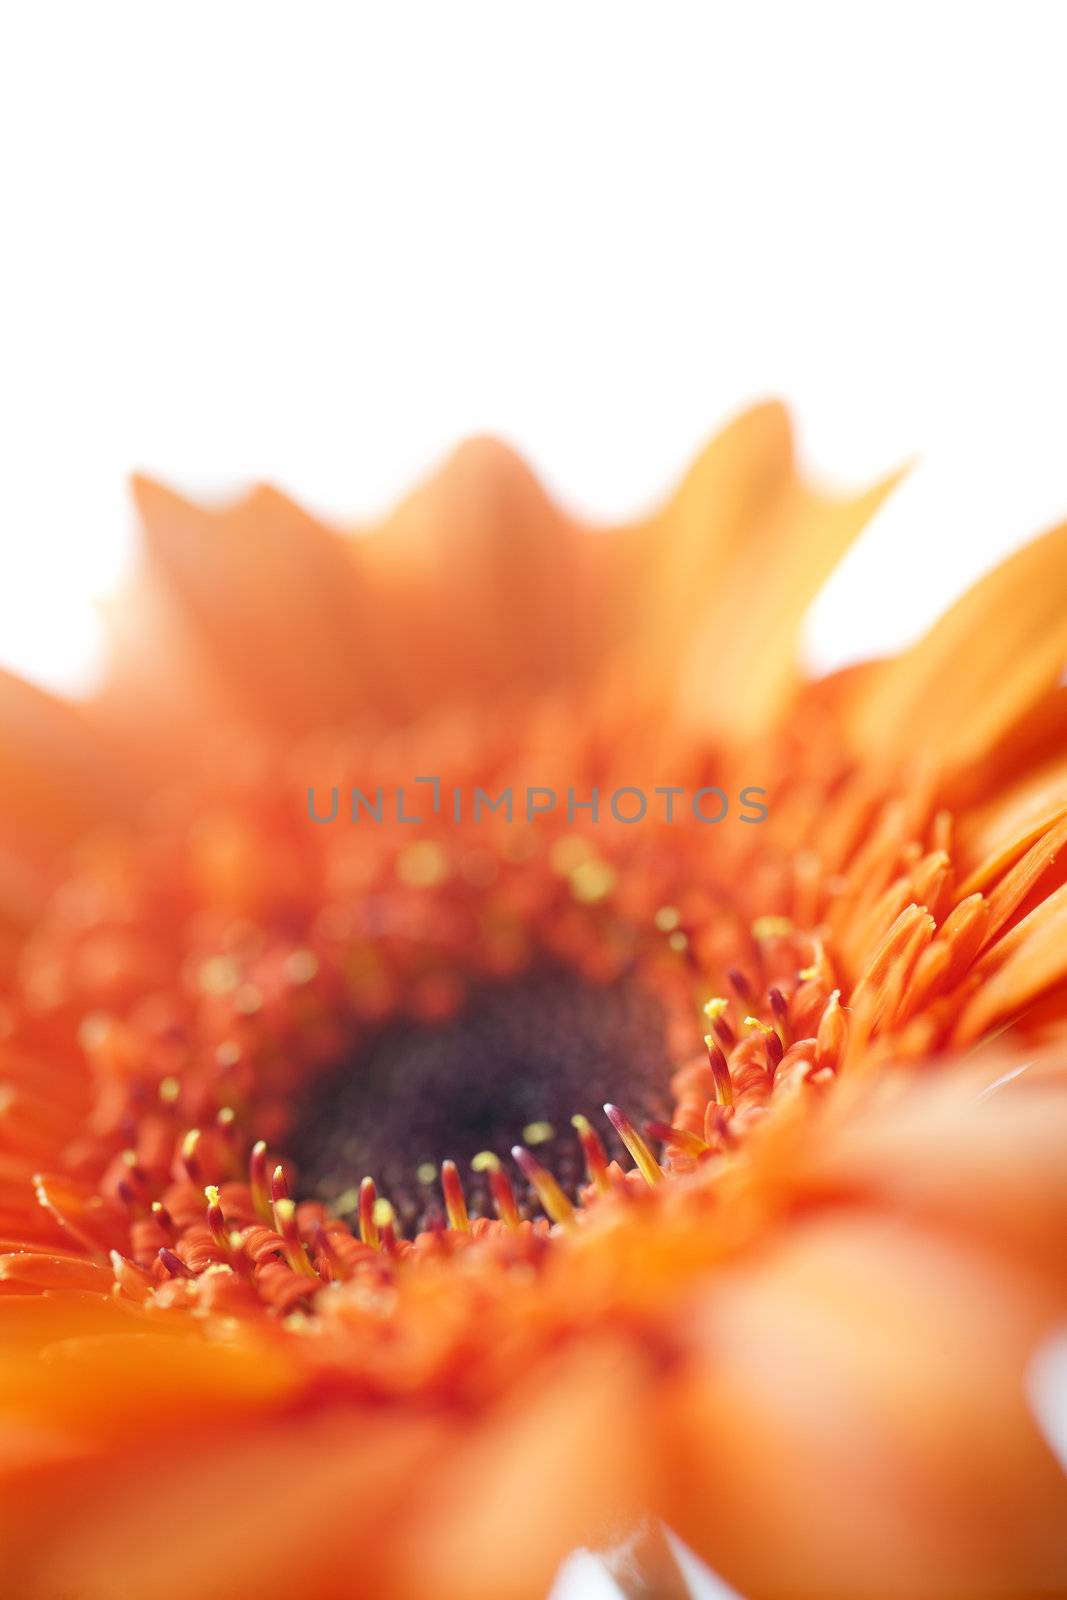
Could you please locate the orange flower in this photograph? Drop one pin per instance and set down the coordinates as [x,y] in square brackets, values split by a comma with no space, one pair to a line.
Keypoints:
[390,1208]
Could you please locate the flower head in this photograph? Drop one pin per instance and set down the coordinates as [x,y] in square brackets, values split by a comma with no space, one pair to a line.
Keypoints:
[392,1207]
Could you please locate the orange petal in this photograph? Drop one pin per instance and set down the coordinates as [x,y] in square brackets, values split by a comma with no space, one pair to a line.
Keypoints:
[732,564]
[57,779]
[270,596]
[546,1480]
[309,1506]
[1004,845]
[489,580]
[979,669]
[854,1425]
[1020,967]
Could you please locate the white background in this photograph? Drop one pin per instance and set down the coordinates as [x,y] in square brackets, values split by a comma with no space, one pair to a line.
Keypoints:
[321,242]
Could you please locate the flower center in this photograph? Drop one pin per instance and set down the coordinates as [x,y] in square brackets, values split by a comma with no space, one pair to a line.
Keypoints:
[513,1066]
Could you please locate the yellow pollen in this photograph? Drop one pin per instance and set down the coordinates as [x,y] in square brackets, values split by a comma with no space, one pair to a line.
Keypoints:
[169,1090]
[130,1157]
[484,1161]
[346,1202]
[772,927]
[426,1172]
[568,854]
[591,881]
[384,1214]
[218,975]
[422,865]
[713,1009]
[538,1133]
[807,973]
[667,918]
[300,966]
[678,940]
[755,1022]
[285,1209]
[190,1142]
[235,1238]
[227,1115]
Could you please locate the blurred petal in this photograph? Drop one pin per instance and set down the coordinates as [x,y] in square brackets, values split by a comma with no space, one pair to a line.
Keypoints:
[834,1385]
[547,1482]
[58,779]
[733,562]
[980,668]
[269,596]
[495,575]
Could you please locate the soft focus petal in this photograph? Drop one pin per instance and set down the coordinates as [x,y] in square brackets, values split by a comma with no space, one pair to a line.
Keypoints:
[861,1378]
[734,561]
[270,598]
[980,668]
[58,779]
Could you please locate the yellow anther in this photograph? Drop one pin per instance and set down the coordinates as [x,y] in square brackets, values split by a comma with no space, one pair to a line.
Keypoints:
[756,1022]
[591,881]
[422,865]
[538,1133]
[219,975]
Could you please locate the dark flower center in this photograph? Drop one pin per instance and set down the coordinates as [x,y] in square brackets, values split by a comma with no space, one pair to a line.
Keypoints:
[512,1067]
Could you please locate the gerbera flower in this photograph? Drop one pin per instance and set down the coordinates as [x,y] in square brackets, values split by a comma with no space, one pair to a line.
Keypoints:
[391,1208]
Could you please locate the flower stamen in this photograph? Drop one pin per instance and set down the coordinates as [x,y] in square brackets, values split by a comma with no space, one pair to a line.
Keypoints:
[596,1157]
[647,1164]
[555,1203]
[455,1199]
